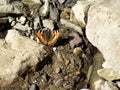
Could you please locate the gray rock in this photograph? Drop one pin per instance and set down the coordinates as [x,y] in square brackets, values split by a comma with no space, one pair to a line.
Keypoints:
[32,2]
[54,13]
[22,27]
[103,30]
[80,10]
[15,7]
[104,85]
[22,20]
[45,8]
[108,74]
[34,87]
[13,23]
[17,54]
[36,23]
[71,25]
[76,40]
[4,2]
[48,24]
[61,1]
[69,3]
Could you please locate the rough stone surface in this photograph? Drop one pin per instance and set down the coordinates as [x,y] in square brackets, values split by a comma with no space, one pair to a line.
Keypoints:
[36,23]
[103,30]
[22,20]
[79,10]
[31,1]
[45,8]
[48,24]
[108,74]
[104,85]
[4,2]
[17,54]
[13,7]
[69,24]
[22,27]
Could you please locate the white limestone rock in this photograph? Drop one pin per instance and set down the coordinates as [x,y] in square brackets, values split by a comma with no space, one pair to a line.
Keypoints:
[22,20]
[11,7]
[103,31]
[17,53]
[108,74]
[31,2]
[36,23]
[79,11]
[22,27]
[104,85]
[45,8]
[4,2]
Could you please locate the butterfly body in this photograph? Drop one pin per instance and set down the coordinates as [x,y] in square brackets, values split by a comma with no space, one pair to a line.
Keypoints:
[48,37]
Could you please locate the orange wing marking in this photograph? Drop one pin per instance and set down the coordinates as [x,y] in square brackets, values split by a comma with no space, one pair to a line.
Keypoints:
[40,36]
[55,35]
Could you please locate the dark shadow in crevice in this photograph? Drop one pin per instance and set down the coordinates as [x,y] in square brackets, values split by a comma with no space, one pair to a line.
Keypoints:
[3,34]
[41,65]
[63,41]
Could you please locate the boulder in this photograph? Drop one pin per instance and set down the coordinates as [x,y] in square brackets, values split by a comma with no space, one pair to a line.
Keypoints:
[103,31]
[18,53]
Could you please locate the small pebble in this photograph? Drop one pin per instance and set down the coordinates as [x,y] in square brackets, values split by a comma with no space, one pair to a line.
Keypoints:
[36,23]
[77,51]
[21,27]
[64,15]
[71,25]
[57,69]
[76,39]
[58,82]
[67,85]
[13,23]
[85,89]
[48,24]
[54,13]
[54,48]
[61,1]
[22,20]
[45,8]
[34,87]
[37,39]
[10,19]
[32,37]
[67,62]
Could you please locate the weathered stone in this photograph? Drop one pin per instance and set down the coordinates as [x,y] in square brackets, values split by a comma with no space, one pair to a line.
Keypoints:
[22,20]
[34,87]
[48,24]
[108,74]
[104,85]
[18,53]
[80,10]
[103,30]
[11,8]
[31,1]
[4,2]
[54,13]
[61,1]
[70,3]
[71,25]
[22,27]
[64,15]
[45,8]
[76,40]
[36,23]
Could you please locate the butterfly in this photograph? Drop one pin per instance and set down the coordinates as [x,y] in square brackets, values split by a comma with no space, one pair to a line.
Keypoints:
[48,37]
